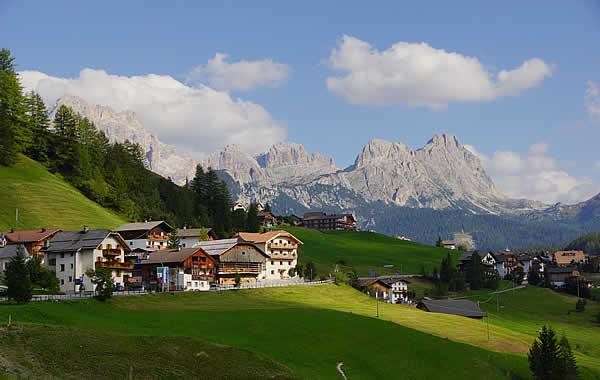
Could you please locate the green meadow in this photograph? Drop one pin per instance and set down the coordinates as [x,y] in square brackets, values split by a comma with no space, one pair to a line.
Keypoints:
[272,333]
[366,251]
[45,200]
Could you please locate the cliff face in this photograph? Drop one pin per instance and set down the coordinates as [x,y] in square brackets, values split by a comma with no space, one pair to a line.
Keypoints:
[442,174]
[120,126]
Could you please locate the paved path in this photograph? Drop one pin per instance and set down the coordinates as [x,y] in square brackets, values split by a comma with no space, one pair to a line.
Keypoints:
[508,290]
[339,368]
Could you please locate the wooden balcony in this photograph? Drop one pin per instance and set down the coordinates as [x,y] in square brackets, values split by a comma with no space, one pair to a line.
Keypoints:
[282,246]
[281,256]
[114,265]
[234,268]
[111,252]
[158,237]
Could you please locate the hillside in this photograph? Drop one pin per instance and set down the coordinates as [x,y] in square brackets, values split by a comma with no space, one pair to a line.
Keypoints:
[365,251]
[45,200]
[306,329]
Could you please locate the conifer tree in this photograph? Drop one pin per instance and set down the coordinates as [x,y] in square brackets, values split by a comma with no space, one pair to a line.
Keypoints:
[16,277]
[567,360]
[252,222]
[476,275]
[14,136]
[544,357]
[174,240]
[38,123]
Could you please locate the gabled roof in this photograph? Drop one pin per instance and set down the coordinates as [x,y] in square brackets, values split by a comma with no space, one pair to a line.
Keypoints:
[9,251]
[164,256]
[466,256]
[193,232]
[28,236]
[367,283]
[503,258]
[265,213]
[448,242]
[144,226]
[219,247]
[566,257]
[463,308]
[264,237]
[72,241]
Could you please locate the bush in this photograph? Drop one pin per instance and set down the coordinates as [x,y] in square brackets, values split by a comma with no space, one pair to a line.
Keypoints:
[341,261]
[17,278]
[105,285]
[580,305]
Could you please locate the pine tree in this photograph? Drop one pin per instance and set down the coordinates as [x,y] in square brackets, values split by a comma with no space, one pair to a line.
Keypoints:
[476,274]
[567,360]
[544,357]
[14,135]
[16,277]
[252,222]
[174,240]
[439,242]
[65,131]
[38,123]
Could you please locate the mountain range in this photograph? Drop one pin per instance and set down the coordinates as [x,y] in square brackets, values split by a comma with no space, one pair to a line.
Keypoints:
[388,180]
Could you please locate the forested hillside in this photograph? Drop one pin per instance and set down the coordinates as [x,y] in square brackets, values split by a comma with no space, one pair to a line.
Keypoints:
[113,175]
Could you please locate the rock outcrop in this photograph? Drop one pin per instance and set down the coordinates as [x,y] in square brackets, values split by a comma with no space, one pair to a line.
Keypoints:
[120,126]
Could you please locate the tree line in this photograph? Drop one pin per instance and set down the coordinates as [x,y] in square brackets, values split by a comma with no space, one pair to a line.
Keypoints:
[115,175]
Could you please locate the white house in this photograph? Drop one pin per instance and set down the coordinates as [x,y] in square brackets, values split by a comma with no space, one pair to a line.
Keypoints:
[282,249]
[151,235]
[72,253]
[398,291]
[190,237]
[239,206]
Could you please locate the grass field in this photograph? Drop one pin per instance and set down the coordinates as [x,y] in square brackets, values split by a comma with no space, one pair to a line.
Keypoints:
[365,251]
[302,328]
[527,310]
[45,200]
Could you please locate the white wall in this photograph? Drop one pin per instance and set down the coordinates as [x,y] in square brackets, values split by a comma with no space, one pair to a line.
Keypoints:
[273,264]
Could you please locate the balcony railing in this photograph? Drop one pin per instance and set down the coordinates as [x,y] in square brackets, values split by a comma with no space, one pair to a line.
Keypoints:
[114,265]
[282,246]
[280,256]
[111,252]
[240,268]
[158,237]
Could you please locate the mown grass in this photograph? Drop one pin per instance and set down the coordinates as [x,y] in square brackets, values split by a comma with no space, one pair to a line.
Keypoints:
[44,200]
[527,310]
[366,251]
[302,328]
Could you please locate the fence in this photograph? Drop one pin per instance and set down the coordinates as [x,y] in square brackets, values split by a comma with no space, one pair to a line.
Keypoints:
[273,284]
[266,284]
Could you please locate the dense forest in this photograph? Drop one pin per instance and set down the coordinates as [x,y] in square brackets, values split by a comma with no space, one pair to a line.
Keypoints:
[112,174]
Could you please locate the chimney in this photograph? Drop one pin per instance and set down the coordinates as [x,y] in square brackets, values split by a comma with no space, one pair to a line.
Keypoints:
[43,229]
[85,229]
[12,230]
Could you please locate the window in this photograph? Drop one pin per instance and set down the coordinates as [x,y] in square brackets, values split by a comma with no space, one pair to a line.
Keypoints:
[272,272]
[243,253]
[109,246]
[62,281]
[71,266]
[281,263]
[183,245]
[118,273]
[70,279]
[52,262]
[71,255]
[272,262]
[131,243]
[62,255]
[62,267]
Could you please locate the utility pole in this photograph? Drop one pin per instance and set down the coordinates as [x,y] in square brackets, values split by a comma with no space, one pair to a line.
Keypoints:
[377,296]
[577,286]
[488,326]
[497,303]
[16,218]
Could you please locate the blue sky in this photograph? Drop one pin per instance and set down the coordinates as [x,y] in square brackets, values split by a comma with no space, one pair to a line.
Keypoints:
[544,137]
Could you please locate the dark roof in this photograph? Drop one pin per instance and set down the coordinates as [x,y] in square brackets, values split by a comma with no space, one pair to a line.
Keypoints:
[193,232]
[502,258]
[72,241]
[391,281]
[27,236]
[561,270]
[9,251]
[170,255]
[466,256]
[132,231]
[322,215]
[265,213]
[463,308]
[365,283]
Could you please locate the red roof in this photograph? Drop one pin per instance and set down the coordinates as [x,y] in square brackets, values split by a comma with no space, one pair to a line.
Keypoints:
[28,236]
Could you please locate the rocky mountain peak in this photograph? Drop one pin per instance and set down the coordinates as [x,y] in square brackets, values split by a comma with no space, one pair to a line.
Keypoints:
[291,154]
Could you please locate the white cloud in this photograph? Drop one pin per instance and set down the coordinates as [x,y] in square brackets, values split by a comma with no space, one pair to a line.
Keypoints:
[592,99]
[534,175]
[417,74]
[242,75]
[199,120]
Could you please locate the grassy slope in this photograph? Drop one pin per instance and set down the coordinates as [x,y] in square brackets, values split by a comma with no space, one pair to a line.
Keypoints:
[366,250]
[294,326]
[44,200]
[527,310]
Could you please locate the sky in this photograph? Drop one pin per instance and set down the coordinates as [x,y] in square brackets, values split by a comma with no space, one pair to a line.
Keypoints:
[517,82]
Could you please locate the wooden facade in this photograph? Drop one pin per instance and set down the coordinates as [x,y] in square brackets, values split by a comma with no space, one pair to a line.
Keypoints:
[244,260]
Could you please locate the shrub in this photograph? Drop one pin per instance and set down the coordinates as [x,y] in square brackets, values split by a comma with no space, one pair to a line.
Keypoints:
[105,285]
[580,305]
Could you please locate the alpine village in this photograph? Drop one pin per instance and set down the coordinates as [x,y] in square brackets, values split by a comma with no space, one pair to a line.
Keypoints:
[109,269]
